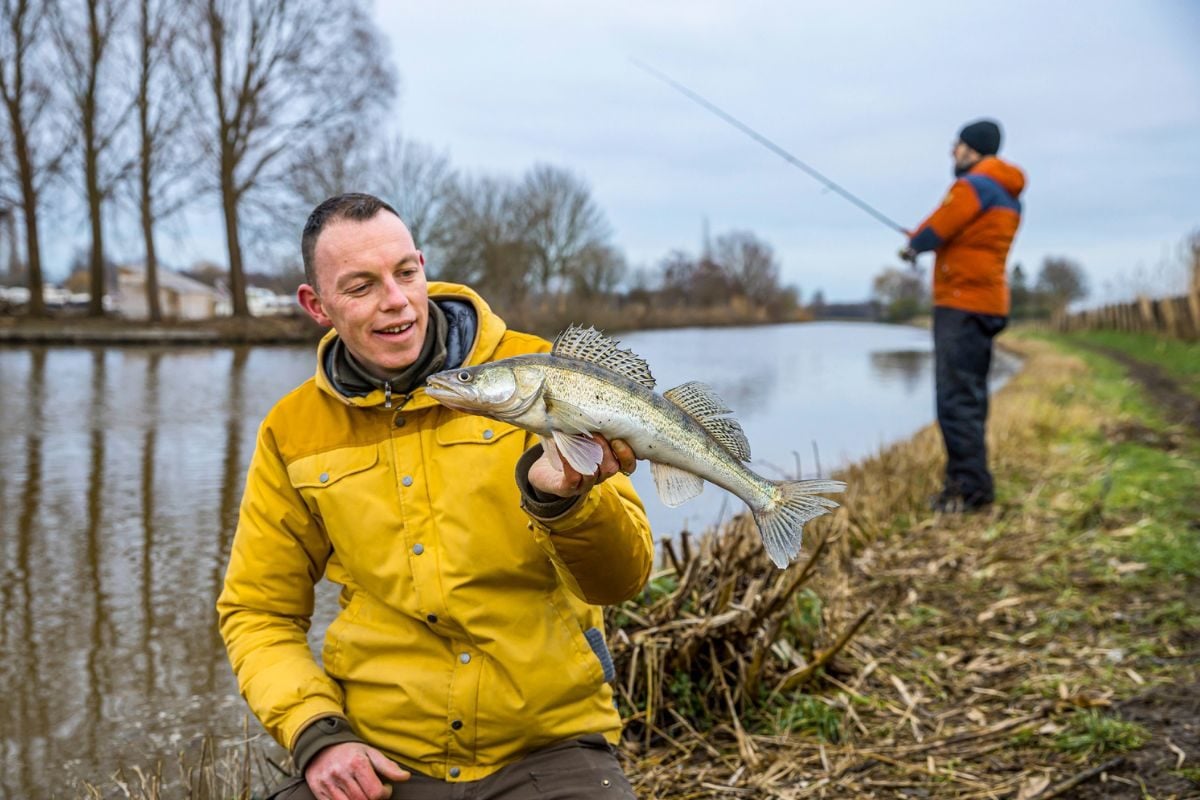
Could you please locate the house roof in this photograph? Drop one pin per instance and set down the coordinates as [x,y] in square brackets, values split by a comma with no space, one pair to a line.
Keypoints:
[174,281]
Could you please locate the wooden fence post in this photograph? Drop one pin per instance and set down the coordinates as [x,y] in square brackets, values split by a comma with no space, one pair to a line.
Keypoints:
[1193,301]
[1166,307]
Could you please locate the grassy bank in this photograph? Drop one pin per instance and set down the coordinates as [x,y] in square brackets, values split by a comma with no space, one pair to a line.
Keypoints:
[1046,648]
[1011,652]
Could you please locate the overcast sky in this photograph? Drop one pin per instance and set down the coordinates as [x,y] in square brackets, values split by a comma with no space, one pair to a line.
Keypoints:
[1100,102]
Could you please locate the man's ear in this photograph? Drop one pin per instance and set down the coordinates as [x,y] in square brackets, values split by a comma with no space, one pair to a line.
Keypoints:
[310,301]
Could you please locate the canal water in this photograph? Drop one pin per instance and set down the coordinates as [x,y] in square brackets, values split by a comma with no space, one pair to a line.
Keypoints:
[122,473]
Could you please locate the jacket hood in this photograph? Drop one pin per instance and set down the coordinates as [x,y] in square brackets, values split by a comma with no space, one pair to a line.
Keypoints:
[489,330]
[1002,172]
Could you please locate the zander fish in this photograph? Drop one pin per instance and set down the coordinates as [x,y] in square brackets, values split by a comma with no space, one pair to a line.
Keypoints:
[586,385]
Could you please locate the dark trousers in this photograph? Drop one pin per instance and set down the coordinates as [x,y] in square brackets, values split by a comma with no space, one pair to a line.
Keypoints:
[576,770]
[962,343]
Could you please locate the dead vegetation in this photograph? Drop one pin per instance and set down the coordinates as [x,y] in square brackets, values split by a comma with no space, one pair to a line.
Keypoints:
[921,655]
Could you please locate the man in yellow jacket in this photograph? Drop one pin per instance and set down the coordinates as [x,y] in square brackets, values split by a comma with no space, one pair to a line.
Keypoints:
[469,648]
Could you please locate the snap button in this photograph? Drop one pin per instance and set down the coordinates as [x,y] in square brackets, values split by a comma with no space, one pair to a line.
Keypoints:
[465,658]
[324,476]
[399,421]
[455,772]
[407,480]
[418,548]
[457,724]
[604,782]
[432,617]
[488,434]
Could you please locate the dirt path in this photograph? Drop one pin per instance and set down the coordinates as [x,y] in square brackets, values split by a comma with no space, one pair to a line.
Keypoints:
[1179,406]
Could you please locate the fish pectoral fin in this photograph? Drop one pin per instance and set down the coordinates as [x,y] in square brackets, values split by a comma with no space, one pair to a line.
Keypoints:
[675,486]
[570,417]
[579,450]
[551,452]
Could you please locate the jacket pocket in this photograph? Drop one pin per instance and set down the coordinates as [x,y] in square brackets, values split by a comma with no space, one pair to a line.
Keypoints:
[459,428]
[326,469]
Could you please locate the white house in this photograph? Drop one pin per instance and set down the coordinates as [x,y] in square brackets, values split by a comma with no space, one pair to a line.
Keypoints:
[179,297]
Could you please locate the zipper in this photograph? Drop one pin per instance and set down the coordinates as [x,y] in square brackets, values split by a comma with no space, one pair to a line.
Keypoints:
[387,394]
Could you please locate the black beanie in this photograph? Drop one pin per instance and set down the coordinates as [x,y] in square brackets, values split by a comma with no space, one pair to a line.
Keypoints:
[982,136]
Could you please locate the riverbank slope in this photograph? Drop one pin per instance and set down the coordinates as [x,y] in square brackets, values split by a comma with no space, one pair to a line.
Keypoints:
[1048,647]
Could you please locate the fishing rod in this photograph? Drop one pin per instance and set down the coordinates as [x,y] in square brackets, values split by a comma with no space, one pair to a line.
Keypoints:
[767,143]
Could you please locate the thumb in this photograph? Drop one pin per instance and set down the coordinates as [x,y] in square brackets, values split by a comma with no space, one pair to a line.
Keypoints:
[386,767]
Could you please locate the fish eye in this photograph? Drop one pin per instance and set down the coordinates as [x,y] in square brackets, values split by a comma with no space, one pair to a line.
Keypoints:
[464,376]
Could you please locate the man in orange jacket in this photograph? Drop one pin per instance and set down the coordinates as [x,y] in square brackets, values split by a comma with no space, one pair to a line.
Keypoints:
[970,233]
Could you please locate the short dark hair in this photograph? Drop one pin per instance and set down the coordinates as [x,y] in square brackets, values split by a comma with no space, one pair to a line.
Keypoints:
[353,206]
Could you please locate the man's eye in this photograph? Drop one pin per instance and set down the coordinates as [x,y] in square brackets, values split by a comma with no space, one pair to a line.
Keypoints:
[358,289]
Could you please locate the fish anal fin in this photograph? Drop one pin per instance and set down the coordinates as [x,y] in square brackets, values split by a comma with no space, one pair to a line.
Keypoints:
[675,486]
[589,344]
[702,404]
[579,450]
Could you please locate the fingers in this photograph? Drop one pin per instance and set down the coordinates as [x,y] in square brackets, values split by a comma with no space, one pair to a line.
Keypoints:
[626,460]
[386,767]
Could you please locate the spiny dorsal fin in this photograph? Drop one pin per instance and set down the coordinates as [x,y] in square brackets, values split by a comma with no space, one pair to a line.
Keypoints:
[589,344]
[702,404]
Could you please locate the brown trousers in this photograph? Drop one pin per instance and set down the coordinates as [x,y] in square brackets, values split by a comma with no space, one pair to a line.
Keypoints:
[576,770]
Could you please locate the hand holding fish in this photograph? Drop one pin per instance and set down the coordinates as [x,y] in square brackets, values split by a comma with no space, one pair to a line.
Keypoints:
[551,475]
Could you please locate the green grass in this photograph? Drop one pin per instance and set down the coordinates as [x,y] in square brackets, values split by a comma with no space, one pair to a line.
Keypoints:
[1092,733]
[1180,360]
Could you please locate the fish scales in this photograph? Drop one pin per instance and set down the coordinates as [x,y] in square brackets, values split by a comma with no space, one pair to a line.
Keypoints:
[647,422]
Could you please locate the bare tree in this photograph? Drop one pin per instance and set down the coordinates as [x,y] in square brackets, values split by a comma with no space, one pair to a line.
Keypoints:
[563,222]
[28,103]
[162,168]
[416,180]
[1061,280]
[419,182]
[85,37]
[278,76]
[598,271]
[750,264]
[487,246]
[901,292]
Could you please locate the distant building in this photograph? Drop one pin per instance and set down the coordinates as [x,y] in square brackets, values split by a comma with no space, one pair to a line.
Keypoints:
[179,297]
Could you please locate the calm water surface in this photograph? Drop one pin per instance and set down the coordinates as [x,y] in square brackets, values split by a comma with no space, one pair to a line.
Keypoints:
[123,468]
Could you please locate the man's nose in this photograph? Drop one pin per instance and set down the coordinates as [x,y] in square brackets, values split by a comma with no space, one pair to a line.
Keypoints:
[393,294]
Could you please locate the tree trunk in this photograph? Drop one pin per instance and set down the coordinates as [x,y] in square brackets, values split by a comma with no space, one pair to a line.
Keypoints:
[237,279]
[96,260]
[91,170]
[153,307]
[33,248]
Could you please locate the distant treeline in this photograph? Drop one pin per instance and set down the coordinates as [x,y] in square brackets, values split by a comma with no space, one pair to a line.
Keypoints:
[905,293]
[263,108]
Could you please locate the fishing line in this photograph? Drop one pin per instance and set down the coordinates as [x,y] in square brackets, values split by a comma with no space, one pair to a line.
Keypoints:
[767,143]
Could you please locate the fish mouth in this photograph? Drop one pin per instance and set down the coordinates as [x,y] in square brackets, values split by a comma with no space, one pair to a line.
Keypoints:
[440,389]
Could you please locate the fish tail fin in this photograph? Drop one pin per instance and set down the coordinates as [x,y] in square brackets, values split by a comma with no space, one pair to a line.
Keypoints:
[781,524]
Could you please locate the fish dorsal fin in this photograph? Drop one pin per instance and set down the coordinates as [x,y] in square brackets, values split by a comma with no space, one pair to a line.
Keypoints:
[589,344]
[701,403]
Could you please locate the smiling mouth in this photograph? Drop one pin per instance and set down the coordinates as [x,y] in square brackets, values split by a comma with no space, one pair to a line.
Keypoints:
[396,329]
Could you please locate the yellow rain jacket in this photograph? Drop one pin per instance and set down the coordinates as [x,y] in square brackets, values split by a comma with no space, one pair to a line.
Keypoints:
[470,632]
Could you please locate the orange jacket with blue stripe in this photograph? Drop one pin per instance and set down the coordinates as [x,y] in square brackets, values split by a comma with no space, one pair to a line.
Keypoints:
[971,233]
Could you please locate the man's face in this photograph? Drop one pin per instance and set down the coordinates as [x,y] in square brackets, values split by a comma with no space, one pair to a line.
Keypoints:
[371,288]
[964,157]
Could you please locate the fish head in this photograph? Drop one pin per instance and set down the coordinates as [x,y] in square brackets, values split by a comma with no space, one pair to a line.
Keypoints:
[499,390]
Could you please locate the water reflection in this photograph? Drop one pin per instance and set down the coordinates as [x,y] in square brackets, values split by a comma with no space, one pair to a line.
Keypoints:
[124,470]
[911,368]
